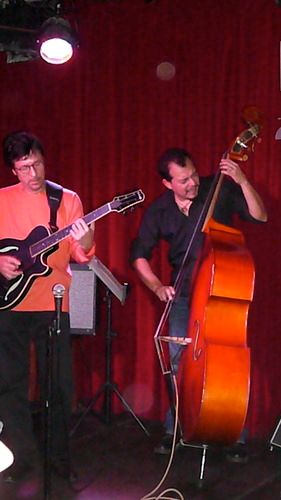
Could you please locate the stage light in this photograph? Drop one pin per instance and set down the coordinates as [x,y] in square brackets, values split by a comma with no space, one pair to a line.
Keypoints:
[6,456]
[56,40]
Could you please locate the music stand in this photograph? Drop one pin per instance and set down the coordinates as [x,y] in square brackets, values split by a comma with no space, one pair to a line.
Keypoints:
[120,291]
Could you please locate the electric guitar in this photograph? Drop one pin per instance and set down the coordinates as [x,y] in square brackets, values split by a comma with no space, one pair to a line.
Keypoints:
[34,250]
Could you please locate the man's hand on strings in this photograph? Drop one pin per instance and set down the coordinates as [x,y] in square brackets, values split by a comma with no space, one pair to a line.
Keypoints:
[255,204]
[233,170]
[10,266]
[165,293]
[82,233]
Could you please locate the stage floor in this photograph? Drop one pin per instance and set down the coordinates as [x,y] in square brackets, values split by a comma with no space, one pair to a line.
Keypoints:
[116,462]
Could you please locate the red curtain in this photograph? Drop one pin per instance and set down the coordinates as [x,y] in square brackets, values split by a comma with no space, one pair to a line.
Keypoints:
[106,116]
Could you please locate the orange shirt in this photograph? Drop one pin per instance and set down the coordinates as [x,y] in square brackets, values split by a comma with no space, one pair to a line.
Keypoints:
[20,212]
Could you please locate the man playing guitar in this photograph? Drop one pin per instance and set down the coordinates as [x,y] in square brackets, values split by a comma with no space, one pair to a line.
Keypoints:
[24,206]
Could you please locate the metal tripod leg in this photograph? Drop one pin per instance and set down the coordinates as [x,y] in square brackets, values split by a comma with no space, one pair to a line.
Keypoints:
[127,406]
[87,410]
[204,448]
[108,387]
[203,461]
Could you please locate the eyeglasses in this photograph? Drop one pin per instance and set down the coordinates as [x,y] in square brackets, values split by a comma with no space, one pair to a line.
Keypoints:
[25,169]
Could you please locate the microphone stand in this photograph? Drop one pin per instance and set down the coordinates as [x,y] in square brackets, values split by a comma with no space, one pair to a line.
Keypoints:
[53,331]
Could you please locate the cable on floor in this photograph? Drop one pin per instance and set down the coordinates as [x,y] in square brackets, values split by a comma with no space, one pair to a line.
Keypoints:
[169,490]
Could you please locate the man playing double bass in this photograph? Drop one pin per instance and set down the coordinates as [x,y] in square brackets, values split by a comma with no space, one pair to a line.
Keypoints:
[173,217]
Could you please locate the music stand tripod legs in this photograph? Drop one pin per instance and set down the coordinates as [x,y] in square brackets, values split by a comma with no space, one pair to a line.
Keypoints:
[109,387]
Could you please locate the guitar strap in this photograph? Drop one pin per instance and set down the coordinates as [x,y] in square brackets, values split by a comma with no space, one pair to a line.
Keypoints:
[54,194]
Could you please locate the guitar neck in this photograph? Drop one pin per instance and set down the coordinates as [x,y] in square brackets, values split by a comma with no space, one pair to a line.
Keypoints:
[61,234]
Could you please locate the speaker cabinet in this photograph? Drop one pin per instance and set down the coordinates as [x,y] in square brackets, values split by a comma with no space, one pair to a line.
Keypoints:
[82,306]
[276,436]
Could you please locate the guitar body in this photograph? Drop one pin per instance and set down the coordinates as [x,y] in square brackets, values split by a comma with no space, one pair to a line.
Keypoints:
[34,250]
[13,291]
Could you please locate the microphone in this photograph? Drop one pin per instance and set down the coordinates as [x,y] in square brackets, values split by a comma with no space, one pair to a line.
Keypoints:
[58,292]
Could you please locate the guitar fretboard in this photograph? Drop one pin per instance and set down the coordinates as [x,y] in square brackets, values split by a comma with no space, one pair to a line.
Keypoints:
[61,234]
[118,204]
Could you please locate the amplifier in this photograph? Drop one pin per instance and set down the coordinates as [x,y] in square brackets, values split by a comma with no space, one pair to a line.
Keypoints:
[82,307]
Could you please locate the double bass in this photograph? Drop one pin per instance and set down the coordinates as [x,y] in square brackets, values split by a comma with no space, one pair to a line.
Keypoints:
[214,374]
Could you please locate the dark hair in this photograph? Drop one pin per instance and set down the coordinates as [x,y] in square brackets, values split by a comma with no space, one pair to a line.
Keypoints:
[18,144]
[176,155]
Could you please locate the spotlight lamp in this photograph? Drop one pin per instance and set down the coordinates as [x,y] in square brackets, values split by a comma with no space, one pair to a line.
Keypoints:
[6,456]
[56,40]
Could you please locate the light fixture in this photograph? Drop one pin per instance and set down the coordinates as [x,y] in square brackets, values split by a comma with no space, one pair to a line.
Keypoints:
[6,456]
[56,40]
[24,24]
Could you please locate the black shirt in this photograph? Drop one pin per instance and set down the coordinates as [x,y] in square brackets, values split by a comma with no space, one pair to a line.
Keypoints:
[164,220]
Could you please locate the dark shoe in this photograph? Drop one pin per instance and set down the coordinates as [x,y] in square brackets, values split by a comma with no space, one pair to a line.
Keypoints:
[237,454]
[165,445]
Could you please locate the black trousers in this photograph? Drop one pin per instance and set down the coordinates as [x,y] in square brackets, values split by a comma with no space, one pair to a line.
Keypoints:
[17,329]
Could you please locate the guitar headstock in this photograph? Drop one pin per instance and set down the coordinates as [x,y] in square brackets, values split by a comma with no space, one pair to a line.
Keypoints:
[125,201]
[246,139]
